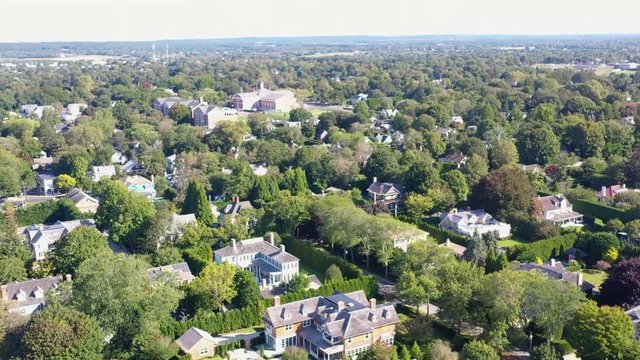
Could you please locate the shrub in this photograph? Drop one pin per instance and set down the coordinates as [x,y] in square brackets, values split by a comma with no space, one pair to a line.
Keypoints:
[319,260]
[543,249]
[602,265]
[48,212]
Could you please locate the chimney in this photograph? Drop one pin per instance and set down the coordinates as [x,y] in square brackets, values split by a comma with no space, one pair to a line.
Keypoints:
[233,243]
[271,239]
[236,199]
[152,179]
[453,211]
[448,242]
[276,300]
[624,186]
[552,262]
[340,305]
[264,283]
[372,303]
[67,277]
[3,292]
[375,179]
[579,279]
[282,247]
[468,208]
[603,191]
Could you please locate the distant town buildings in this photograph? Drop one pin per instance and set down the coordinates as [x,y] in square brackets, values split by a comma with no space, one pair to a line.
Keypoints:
[264,99]
[35,111]
[202,114]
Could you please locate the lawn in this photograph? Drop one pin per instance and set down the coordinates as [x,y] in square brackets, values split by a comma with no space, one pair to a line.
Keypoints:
[311,271]
[249,330]
[510,242]
[594,276]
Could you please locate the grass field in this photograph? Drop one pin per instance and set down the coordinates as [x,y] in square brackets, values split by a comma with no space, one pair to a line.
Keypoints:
[510,242]
[310,271]
[595,278]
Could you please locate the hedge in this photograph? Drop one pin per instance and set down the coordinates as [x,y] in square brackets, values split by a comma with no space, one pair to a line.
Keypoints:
[597,210]
[441,235]
[216,323]
[366,283]
[232,320]
[318,259]
[543,249]
[48,212]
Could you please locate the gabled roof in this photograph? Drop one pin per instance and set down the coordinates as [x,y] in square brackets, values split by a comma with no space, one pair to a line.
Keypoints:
[136,180]
[191,338]
[31,291]
[234,208]
[355,318]
[553,202]
[181,270]
[253,246]
[384,188]
[453,158]
[52,233]
[76,195]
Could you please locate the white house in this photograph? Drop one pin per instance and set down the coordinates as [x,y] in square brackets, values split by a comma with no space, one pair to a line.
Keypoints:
[208,116]
[42,238]
[102,172]
[358,98]
[558,209]
[473,222]
[46,183]
[118,158]
[271,265]
[456,122]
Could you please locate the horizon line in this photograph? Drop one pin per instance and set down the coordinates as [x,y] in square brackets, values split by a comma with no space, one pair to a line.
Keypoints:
[282,37]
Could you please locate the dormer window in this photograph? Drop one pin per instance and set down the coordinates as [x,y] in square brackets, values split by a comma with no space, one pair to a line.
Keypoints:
[20,295]
[37,293]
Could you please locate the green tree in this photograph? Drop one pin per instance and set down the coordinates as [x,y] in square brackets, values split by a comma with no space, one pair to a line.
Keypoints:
[116,291]
[65,182]
[457,182]
[300,114]
[333,274]
[294,353]
[122,213]
[180,114]
[441,350]
[404,353]
[596,245]
[418,290]
[503,153]
[247,289]
[166,256]
[545,351]
[416,352]
[478,350]
[295,180]
[475,168]
[537,144]
[600,332]
[11,269]
[418,205]
[62,333]
[196,202]
[214,286]
[298,283]
[80,244]
[505,192]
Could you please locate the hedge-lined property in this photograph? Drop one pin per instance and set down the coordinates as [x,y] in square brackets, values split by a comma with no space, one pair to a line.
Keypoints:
[597,210]
[48,212]
[542,249]
[319,259]
[217,323]
[441,235]
[366,283]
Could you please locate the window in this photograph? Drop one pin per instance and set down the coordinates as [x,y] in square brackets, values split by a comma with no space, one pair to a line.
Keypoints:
[354,352]
[290,341]
[349,340]
[367,335]
[204,351]
[306,323]
[288,327]
[388,341]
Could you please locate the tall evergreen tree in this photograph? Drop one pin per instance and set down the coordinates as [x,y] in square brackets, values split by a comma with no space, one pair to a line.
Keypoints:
[196,202]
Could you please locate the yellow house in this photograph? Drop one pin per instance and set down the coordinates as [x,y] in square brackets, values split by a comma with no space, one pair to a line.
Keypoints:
[332,327]
[197,343]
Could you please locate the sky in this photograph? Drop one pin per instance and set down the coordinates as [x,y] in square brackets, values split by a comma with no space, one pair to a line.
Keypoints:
[133,20]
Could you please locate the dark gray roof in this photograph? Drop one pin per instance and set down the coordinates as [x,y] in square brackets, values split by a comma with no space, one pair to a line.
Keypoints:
[383,188]
[191,337]
[76,195]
